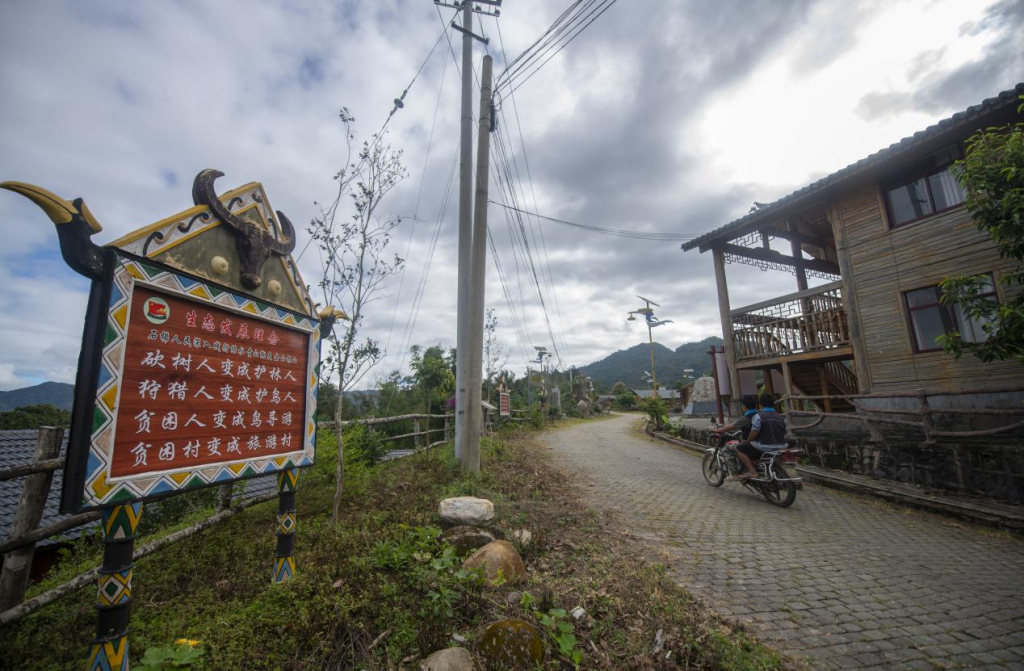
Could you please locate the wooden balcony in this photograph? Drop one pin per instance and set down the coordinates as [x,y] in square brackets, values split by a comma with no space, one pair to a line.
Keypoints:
[804,325]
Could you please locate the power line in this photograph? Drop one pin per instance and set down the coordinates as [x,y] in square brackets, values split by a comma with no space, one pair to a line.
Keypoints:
[622,233]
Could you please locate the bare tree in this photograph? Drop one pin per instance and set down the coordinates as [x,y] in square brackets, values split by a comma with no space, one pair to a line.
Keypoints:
[355,262]
[495,353]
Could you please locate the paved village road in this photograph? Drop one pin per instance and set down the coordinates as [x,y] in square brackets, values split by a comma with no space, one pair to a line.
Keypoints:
[840,581]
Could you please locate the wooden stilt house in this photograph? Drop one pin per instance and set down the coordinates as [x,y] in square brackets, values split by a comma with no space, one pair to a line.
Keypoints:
[875,239]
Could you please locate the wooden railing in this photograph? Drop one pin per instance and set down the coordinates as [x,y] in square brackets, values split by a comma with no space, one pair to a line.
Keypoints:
[807,321]
[415,434]
[19,547]
[872,417]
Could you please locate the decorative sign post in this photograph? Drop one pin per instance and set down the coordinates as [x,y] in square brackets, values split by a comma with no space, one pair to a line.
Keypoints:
[199,367]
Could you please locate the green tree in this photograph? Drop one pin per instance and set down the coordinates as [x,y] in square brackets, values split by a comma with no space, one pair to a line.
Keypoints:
[992,174]
[353,250]
[35,416]
[433,375]
[619,388]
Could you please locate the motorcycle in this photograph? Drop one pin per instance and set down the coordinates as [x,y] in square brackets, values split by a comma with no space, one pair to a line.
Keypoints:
[777,479]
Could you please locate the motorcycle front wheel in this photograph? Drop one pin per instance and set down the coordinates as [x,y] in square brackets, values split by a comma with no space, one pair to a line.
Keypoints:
[712,470]
[781,494]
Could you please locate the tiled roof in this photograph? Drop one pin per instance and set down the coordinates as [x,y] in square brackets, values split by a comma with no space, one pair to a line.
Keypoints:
[662,393]
[16,449]
[892,151]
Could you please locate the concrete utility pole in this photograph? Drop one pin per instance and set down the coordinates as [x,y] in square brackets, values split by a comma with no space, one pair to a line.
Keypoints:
[465,230]
[470,453]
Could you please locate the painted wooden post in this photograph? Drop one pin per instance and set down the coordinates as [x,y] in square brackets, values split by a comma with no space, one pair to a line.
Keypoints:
[416,432]
[284,562]
[446,423]
[18,563]
[114,589]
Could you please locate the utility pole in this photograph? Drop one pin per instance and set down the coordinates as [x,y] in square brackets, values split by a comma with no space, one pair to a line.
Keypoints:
[463,339]
[465,229]
[470,453]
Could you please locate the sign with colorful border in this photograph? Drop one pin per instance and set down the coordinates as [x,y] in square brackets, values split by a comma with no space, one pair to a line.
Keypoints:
[183,383]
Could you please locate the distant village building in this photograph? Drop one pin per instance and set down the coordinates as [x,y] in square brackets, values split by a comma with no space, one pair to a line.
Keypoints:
[875,238]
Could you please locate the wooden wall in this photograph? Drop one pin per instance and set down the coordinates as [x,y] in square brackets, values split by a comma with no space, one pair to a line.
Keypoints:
[886,262]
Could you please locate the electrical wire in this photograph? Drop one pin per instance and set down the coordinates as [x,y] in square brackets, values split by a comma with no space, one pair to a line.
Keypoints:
[622,233]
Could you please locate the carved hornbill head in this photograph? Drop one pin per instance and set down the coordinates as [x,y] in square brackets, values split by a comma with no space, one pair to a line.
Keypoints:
[75,227]
[255,244]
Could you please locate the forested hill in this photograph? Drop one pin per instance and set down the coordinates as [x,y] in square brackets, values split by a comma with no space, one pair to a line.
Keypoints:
[628,365]
[53,393]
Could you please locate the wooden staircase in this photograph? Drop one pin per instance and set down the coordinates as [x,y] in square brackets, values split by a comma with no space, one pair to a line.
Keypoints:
[831,378]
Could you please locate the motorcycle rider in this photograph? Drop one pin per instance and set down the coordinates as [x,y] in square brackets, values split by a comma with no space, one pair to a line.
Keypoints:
[767,434]
[744,423]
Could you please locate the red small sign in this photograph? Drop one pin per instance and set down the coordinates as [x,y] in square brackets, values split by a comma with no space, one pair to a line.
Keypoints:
[203,386]
[504,404]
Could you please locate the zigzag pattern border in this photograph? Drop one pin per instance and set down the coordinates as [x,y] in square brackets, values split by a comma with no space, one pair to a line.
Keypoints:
[97,491]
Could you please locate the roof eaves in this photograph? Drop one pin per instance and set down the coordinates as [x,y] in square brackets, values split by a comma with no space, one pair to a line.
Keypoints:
[989,104]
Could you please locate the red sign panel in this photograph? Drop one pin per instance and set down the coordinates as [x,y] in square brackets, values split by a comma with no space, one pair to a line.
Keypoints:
[504,405]
[203,386]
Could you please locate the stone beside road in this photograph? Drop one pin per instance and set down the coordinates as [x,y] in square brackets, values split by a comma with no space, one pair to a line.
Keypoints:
[467,510]
[838,580]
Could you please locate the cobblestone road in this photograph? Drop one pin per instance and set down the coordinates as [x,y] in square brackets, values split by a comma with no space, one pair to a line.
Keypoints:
[840,581]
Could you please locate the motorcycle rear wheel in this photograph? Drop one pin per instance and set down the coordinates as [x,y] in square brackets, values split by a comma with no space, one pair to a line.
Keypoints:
[781,494]
[712,470]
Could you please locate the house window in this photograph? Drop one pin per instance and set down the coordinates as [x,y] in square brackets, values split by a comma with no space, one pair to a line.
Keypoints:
[923,189]
[929,318]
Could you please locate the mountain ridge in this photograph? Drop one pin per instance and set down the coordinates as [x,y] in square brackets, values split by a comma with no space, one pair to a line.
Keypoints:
[59,394]
[628,365]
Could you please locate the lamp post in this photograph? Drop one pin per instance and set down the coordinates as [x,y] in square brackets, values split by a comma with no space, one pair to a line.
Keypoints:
[652,322]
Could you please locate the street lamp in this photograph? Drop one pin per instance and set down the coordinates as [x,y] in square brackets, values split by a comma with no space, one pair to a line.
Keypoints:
[652,322]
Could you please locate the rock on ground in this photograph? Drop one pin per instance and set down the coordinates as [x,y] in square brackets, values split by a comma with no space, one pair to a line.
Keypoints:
[466,510]
[466,539]
[499,556]
[450,659]
[511,644]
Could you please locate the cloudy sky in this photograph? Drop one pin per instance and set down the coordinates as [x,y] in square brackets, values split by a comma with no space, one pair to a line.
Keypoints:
[666,116]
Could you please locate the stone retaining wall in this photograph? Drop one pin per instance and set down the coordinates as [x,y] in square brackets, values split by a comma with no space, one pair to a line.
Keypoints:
[987,467]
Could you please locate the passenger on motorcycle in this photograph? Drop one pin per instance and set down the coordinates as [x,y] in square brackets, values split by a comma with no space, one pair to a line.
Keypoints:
[767,434]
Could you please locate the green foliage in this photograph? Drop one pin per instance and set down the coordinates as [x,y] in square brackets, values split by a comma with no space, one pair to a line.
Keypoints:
[433,376]
[363,444]
[992,174]
[179,656]
[35,416]
[626,401]
[657,411]
[558,627]
[619,388]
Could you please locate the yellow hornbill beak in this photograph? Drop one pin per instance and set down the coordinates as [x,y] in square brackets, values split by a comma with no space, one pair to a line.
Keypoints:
[328,316]
[59,211]
[75,227]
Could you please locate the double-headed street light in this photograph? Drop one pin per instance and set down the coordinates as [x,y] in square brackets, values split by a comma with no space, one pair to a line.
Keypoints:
[652,322]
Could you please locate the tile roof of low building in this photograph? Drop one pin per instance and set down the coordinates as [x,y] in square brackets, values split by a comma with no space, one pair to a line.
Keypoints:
[16,449]
[1004,99]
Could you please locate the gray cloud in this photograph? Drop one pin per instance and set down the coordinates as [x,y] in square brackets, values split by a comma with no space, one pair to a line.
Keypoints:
[123,104]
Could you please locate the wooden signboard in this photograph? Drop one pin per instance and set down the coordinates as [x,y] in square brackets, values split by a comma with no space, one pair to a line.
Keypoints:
[184,383]
[504,404]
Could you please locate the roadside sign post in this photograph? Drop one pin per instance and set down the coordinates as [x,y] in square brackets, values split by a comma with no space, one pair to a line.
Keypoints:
[199,367]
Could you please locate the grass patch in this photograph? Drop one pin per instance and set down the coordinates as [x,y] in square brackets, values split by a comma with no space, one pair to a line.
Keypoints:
[378,591]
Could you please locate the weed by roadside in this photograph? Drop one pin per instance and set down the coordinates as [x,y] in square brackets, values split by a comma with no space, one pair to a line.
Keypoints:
[379,591]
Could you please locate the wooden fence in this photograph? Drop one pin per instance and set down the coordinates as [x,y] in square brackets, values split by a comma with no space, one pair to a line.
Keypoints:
[19,548]
[871,417]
